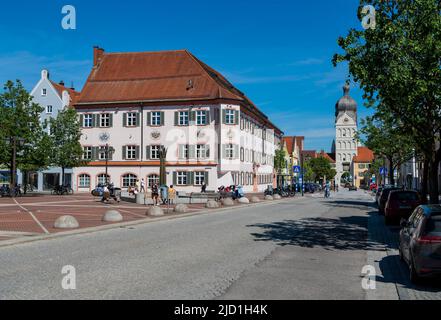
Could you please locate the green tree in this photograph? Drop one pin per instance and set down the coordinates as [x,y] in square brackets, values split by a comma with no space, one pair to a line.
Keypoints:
[20,119]
[280,160]
[321,168]
[387,140]
[67,151]
[397,64]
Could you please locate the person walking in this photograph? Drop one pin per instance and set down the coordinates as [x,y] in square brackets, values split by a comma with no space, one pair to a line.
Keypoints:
[171,195]
[142,186]
[204,188]
[155,194]
[138,186]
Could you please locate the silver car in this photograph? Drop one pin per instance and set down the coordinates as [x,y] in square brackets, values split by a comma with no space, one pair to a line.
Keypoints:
[420,242]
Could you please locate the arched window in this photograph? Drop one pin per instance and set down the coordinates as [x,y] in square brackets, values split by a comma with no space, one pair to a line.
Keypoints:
[152,180]
[84,181]
[129,180]
[101,179]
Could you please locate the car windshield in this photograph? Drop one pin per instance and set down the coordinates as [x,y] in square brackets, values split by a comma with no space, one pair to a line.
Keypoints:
[405,196]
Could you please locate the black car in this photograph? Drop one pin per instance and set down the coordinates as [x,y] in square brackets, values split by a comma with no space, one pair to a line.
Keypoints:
[420,242]
[382,200]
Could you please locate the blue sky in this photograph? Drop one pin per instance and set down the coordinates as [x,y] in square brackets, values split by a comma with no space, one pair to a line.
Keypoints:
[277,52]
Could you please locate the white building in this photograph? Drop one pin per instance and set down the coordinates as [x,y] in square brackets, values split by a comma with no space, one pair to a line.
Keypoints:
[53,97]
[136,102]
[346,145]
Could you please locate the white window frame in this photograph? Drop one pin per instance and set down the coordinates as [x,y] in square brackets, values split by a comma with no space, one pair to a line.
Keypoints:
[184,118]
[105,120]
[102,153]
[155,118]
[130,152]
[101,178]
[129,180]
[229,151]
[152,179]
[181,178]
[199,178]
[84,181]
[201,151]
[201,118]
[132,118]
[153,150]
[87,150]
[230,116]
[88,119]
[49,109]
[44,92]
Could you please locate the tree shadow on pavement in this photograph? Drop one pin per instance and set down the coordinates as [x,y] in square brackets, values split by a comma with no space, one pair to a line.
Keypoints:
[350,204]
[344,233]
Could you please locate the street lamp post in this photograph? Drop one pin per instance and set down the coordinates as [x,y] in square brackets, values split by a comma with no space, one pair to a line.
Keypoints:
[107,151]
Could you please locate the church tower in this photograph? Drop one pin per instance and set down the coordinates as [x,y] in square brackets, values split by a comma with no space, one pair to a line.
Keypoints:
[346,146]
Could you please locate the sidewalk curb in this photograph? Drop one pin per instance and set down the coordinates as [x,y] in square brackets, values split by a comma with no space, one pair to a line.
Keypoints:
[17,241]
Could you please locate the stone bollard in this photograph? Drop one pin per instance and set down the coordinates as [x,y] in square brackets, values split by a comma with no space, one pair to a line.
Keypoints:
[155,212]
[112,216]
[269,198]
[211,204]
[228,202]
[255,199]
[140,198]
[244,200]
[181,208]
[277,197]
[66,222]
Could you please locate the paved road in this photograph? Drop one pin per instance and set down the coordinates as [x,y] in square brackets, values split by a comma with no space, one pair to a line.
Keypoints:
[307,248]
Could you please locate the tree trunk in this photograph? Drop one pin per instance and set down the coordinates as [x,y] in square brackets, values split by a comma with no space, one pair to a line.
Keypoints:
[433,182]
[425,182]
[391,171]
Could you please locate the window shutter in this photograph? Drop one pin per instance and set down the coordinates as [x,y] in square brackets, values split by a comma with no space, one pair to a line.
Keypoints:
[162,118]
[176,118]
[124,119]
[138,116]
[111,152]
[81,120]
[148,153]
[124,153]
[224,116]
[94,153]
[149,119]
[192,116]
[206,178]
[97,120]
[137,152]
[207,117]
[175,178]
[111,120]
[236,151]
[236,117]
[191,152]
[190,178]
[207,151]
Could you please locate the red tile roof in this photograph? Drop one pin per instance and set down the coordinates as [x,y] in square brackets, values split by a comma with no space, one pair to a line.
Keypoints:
[365,155]
[289,141]
[74,95]
[157,77]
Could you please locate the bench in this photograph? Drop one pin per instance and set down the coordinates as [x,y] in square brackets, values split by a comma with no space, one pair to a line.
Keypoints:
[209,195]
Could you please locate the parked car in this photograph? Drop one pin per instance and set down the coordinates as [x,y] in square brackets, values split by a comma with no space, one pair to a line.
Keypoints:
[400,205]
[378,194]
[383,198]
[420,242]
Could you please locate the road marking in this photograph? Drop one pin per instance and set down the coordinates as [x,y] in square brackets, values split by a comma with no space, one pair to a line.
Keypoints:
[33,217]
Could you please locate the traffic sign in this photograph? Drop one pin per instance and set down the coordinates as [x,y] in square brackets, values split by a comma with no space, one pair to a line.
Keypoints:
[383,171]
[297,169]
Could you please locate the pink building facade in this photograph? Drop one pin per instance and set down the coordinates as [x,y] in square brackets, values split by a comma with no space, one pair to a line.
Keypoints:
[134,103]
